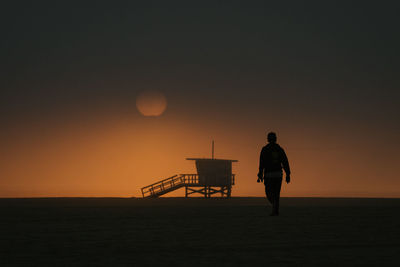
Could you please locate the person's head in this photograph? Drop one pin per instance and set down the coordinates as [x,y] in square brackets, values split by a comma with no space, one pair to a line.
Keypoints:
[271,137]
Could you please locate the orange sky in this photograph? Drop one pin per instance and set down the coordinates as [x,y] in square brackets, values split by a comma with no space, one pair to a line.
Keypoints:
[117,155]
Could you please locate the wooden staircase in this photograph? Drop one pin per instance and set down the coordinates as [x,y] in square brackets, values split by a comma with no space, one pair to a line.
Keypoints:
[170,184]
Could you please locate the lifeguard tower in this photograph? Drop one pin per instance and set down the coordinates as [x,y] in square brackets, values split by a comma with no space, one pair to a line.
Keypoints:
[213,176]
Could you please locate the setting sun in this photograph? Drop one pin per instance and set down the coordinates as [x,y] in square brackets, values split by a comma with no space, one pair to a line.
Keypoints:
[151,103]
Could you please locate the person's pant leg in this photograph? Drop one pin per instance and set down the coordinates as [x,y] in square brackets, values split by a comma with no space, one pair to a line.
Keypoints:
[268,190]
[277,193]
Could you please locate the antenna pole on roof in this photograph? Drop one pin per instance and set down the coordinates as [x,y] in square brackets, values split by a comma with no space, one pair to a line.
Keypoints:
[212,149]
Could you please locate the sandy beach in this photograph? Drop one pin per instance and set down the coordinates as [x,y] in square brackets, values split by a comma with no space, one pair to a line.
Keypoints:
[198,232]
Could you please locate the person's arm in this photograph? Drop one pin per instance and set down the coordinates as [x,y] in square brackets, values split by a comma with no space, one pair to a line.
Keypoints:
[285,165]
[261,168]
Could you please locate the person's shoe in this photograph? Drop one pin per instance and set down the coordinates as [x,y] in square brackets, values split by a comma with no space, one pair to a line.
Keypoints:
[274,214]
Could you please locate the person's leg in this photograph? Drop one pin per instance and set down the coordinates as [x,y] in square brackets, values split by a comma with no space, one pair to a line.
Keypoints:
[268,191]
[273,195]
[277,194]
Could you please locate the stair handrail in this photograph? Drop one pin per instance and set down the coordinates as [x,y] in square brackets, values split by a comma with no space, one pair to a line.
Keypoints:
[160,184]
[160,181]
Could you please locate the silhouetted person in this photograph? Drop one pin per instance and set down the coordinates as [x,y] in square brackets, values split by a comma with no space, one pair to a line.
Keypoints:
[272,160]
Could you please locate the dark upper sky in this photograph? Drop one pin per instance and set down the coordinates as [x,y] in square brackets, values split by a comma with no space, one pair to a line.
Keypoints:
[308,57]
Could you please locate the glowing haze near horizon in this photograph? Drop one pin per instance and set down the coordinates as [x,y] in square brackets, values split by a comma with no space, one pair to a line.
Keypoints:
[323,76]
